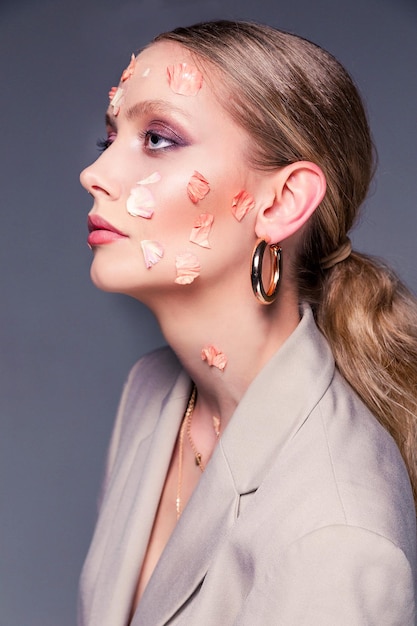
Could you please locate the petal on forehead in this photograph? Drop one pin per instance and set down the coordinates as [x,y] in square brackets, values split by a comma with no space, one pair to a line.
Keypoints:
[188,268]
[198,187]
[214,357]
[201,230]
[112,93]
[153,252]
[117,100]
[127,73]
[140,202]
[146,72]
[242,203]
[184,79]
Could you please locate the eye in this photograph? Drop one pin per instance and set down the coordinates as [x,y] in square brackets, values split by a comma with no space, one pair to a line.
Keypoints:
[103,144]
[156,141]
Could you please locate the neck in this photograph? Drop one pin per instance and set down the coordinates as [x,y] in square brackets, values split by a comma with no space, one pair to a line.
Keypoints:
[247,335]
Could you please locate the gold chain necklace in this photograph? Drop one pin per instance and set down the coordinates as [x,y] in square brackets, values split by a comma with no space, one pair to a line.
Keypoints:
[186,427]
[187,415]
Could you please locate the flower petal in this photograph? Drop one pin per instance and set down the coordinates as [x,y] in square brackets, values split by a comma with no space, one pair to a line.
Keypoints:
[117,100]
[198,187]
[214,357]
[184,79]
[188,268]
[112,93]
[146,72]
[201,230]
[127,73]
[140,203]
[152,178]
[242,203]
[152,252]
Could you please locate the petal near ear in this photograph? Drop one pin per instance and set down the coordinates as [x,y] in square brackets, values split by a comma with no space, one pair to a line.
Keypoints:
[298,190]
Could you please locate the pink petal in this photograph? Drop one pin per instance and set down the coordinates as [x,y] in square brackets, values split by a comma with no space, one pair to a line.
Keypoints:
[152,178]
[201,230]
[112,93]
[184,79]
[242,203]
[198,187]
[188,268]
[117,100]
[140,203]
[152,252]
[214,357]
[146,72]
[127,73]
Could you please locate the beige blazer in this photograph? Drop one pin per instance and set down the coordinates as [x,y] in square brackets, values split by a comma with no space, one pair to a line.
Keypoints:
[303,517]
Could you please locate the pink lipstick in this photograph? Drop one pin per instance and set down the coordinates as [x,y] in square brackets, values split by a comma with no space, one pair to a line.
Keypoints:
[101,232]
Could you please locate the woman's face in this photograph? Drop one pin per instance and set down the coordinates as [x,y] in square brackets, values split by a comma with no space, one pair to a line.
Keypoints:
[172,189]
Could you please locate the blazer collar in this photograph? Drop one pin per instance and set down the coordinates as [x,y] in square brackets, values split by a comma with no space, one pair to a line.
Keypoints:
[274,407]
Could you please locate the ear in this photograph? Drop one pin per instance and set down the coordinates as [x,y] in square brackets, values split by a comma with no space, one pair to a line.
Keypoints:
[296,192]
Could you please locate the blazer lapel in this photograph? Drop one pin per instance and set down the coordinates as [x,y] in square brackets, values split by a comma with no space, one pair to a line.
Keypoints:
[127,515]
[206,519]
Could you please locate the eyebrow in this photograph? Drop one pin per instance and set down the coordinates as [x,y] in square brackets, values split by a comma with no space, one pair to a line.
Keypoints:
[147,107]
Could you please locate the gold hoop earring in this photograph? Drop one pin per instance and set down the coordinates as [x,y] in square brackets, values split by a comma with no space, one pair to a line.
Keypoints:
[266,297]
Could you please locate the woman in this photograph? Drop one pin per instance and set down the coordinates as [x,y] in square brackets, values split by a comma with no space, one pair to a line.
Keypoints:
[250,480]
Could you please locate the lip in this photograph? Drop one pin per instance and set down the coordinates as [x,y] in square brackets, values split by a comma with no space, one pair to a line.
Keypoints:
[101,231]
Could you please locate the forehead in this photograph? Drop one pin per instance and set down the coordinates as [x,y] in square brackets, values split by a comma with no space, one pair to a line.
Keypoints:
[153,77]
[162,53]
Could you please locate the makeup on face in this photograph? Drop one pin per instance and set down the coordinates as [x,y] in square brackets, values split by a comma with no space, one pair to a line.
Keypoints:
[214,357]
[242,203]
[201,230]
[184,79]
[198,187]
[153,252]
[188,268]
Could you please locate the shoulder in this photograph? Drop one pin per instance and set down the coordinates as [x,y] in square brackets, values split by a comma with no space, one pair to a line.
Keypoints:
[149,383]
[153,375]
[356,476]
[344,575]
[155,368]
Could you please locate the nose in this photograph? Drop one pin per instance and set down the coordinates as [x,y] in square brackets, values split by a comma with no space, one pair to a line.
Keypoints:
[98,181]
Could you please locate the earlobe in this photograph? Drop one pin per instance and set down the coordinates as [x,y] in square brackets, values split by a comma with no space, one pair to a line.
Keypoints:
[298,190]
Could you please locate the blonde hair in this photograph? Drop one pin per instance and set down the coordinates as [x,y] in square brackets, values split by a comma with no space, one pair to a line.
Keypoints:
[298,103]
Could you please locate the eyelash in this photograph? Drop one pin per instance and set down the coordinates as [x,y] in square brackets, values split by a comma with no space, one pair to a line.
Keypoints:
[145,136]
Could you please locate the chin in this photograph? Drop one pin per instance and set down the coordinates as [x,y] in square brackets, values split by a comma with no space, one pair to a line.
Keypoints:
[113,278]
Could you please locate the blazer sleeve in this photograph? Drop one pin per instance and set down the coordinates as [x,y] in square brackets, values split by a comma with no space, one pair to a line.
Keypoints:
[337,576]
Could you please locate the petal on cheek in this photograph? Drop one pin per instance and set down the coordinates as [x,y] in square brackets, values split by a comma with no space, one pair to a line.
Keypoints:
[242,203]
[188,268]
[153,178]
[184,79]
[198,187]
[152,252]
[201,230]
[214,357]
[140,203]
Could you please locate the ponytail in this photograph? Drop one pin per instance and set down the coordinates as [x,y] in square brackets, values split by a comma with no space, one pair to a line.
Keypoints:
[370,320]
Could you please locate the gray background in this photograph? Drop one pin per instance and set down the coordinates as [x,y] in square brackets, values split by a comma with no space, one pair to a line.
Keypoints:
[66,347]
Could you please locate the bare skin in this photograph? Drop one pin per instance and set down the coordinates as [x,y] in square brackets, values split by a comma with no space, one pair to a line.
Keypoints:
[218,308]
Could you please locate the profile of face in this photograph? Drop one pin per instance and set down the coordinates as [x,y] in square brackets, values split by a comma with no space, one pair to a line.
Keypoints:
[173,189]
